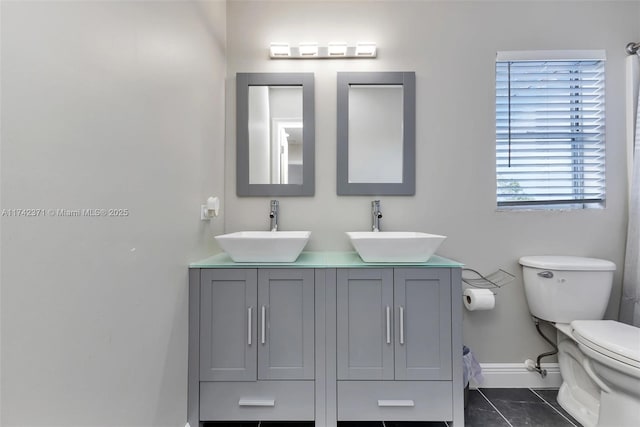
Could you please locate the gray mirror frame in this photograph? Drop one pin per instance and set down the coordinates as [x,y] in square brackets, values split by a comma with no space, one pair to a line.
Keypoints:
[243,81]
[408,185]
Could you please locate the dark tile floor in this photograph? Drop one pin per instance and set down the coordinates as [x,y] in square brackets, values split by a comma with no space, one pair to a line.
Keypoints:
[487,407]
[516,407]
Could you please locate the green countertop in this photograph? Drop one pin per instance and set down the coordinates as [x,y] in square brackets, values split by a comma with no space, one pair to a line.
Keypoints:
[320,260]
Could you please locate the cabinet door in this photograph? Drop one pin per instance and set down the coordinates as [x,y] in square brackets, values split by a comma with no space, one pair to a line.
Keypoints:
[228,300]
[286,324]
[365,324]
[423,324]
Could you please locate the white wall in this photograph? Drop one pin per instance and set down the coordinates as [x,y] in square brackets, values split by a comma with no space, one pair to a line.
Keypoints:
[451,46]
[105,105]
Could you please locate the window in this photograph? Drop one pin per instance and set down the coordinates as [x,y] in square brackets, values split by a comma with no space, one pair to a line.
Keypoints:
[550,129]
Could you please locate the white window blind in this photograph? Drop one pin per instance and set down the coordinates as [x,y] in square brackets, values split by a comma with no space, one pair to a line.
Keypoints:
[550,132]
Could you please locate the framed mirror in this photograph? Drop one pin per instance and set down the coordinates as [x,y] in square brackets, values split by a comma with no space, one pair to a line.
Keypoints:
[275,139]
[376,133]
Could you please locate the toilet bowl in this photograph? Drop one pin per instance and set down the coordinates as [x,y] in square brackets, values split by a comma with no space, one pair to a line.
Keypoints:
[612,352]
[579,395]
[599,359]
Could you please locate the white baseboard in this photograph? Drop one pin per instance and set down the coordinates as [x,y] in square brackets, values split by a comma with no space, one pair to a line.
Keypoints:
[516,375]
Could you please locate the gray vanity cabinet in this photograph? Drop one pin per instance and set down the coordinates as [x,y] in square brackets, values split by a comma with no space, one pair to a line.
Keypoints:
[326,339]
[256,344]
[394,344]
[256,324]
[365,332]
[394,324]
[286,319]
[228,301]
[422,299]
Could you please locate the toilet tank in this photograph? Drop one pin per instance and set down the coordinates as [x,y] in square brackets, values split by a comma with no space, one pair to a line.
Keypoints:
[562,289]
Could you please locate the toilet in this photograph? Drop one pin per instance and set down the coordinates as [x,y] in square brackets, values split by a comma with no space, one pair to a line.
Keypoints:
[599,359]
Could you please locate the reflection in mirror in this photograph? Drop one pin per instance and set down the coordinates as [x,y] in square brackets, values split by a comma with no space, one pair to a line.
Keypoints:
[275,133]
[375,133]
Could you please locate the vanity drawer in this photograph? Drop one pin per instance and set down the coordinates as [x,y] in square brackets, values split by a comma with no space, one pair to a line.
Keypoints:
[394,400]
[260,400]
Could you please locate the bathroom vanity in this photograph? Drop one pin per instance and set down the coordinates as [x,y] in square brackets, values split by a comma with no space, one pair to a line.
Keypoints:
[326,338]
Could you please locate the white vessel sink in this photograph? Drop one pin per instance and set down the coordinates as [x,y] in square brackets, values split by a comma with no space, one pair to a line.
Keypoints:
[264,246]
[395,246]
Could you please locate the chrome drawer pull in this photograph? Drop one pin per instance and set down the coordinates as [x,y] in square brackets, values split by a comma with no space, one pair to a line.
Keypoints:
[257,402]
[396,403]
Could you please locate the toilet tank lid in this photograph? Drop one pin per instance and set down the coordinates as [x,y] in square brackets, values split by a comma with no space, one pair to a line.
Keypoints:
[572,263]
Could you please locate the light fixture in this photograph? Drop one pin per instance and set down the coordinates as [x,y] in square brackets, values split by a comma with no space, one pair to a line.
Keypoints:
[280,50]
[308,49]
[366,49]
[337,49]
[334,50]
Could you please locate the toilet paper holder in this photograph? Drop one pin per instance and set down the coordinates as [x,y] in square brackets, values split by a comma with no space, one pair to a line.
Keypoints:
[495,280]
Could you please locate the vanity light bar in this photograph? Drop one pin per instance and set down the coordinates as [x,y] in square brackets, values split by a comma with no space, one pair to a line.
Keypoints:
[314,51]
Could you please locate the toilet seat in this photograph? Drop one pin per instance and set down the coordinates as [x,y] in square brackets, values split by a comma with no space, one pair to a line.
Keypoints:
[616,340]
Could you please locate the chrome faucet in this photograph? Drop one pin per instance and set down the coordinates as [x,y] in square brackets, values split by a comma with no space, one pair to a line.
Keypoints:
[273,215]
[376,214]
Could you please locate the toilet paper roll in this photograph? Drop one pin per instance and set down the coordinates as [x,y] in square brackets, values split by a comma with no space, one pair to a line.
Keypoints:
[478,299]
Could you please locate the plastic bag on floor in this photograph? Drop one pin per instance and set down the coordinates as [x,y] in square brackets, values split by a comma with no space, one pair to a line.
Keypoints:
[472,368]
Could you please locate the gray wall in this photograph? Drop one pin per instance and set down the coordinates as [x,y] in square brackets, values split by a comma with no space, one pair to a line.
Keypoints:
[105,105]
[451,46]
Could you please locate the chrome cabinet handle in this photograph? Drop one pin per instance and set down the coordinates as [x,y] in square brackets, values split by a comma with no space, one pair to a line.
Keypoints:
[249,310]
[396,403]
[256,402]
[388,325]
[546,274]
[262,330]
[401,325]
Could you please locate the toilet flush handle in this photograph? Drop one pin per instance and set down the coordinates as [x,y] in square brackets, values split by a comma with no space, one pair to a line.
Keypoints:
[546,274]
